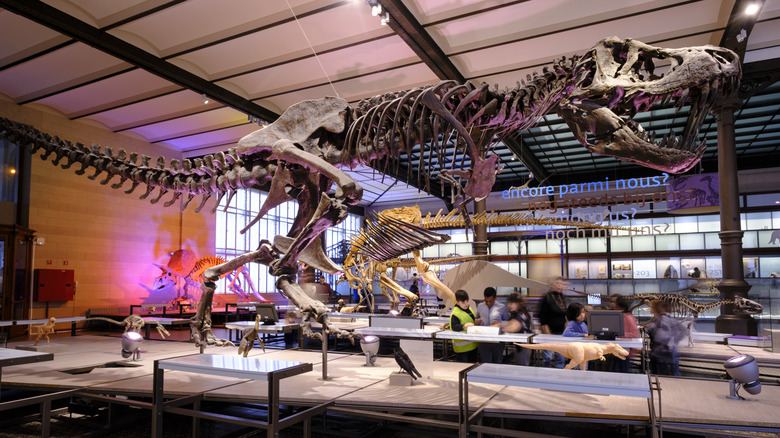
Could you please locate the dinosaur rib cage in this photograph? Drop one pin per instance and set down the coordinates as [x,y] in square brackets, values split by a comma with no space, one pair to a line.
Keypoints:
[385,238]
[401,128]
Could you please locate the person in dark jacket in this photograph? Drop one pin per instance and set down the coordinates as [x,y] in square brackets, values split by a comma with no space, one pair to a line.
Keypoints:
[552,317]
[665,333]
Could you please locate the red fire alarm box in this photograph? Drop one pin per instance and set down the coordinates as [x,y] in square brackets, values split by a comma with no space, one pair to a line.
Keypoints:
[54,284]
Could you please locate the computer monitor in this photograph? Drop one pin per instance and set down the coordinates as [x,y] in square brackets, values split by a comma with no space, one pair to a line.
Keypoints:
[267,312]
[605,324]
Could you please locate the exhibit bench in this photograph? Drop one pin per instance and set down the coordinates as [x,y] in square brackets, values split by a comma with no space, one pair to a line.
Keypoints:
[553,379]
[162,321]
[265,329]
[151,309]
[270,371]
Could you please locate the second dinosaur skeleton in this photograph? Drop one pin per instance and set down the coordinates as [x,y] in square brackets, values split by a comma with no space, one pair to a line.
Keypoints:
[580,352]
[449,129]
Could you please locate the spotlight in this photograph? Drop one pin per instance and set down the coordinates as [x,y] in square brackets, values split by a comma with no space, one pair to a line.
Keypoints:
[741,36]
[376,10]
[131,343]
[751,9]
[205,98]
[743,370]
[385,19]
[370,346]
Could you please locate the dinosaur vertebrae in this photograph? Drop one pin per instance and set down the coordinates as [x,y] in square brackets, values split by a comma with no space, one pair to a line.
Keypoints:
[388,128]
[213,175]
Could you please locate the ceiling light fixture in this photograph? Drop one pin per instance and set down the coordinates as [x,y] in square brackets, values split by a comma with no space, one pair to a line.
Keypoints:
[741,36]
[205,98]
[751,9]
[385,19]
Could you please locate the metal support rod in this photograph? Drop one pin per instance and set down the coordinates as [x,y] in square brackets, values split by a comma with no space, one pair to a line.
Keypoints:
[324,353]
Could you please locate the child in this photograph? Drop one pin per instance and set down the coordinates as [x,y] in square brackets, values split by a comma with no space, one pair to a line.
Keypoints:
[519,322]
[461,319]
[576,315]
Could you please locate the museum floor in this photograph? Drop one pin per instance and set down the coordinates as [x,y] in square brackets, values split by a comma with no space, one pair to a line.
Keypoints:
[692,400]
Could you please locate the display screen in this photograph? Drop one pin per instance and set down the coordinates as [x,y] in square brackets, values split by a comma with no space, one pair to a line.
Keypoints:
[605,321]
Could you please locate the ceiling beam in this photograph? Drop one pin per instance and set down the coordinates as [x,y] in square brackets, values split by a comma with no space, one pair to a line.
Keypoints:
[527,157]
[59,21]
[406,26]
[739,26]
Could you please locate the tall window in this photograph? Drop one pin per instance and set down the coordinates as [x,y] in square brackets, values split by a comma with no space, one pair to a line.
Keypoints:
[243,208]
[231,243]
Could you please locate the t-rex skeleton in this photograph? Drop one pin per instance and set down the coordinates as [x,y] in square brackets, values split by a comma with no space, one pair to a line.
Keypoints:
[449,129]
[580,352]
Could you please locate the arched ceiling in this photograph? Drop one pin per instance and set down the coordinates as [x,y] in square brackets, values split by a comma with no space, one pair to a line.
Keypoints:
[142,66]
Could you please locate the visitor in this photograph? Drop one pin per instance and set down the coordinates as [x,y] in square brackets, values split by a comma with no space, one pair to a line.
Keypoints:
[552,318]
[414,288]
[630,330]
[665,333]
[490,311]
[696,273]
[576,327]
[461,319]
[519,322]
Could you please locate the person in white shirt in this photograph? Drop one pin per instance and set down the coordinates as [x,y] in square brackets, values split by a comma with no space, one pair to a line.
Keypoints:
[490,311]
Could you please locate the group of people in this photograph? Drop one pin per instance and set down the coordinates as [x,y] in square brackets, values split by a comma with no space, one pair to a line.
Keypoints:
[558,318]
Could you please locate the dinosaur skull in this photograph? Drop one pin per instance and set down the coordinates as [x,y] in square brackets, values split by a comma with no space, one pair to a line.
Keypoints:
[617,79]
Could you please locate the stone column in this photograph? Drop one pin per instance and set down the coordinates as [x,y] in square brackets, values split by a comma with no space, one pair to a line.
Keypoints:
[480,245]
[733,283]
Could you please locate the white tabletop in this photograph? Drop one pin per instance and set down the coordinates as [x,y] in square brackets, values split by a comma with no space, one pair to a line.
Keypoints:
[436,319]
[623,342]
[279,327]
[233,366]
[166,321]
[506,337]
[10,356]
[591,382]
[394,332]
[359,315]
[45,320]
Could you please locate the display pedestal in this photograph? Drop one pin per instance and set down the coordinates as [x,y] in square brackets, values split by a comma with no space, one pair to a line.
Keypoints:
[401,379]
[421,355]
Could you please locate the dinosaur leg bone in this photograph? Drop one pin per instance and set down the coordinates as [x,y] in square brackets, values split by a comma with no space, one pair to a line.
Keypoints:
[311,309]
[200,324]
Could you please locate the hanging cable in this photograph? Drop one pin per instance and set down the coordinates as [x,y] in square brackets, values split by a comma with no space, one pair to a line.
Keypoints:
[312,48]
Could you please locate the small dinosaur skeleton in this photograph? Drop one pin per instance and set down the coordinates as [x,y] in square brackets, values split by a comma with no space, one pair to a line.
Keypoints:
[134,323]
[447,129]
[580,352]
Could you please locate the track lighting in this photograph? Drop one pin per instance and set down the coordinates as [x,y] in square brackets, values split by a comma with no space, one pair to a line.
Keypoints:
[385,19]
[205,98]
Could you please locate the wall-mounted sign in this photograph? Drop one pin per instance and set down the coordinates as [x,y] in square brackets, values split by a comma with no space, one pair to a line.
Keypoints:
[704,196]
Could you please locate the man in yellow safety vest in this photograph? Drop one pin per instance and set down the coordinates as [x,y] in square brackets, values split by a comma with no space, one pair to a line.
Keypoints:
[461,319]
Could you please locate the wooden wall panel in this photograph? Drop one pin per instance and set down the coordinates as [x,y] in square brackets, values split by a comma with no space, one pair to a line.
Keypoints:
[112,240]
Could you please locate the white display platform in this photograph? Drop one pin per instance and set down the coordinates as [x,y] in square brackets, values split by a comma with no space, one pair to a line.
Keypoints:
[522,338]
[590,382]
[230,366]
[395,332]
[623,342]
